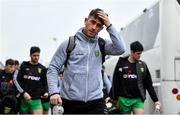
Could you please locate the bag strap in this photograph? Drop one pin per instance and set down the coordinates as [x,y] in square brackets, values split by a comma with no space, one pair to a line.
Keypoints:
[70,47]
[101,43]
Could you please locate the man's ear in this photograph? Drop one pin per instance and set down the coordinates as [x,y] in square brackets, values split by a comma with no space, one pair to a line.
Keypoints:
[85,20]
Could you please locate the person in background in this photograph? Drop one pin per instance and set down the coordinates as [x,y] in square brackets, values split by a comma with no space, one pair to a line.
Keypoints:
[32,85]
[82,86]
[17,65]
[106,83]
[8,101]
[131,79]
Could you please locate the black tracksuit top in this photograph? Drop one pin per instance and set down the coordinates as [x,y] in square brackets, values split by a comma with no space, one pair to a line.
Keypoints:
[144,81]
[32,79]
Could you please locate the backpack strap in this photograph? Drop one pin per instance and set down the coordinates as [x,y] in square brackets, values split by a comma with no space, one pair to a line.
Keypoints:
[70,47]
[101,43]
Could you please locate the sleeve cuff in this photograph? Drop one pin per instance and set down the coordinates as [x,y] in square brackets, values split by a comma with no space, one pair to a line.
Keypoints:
[109,26]
[54,94]
[22,93]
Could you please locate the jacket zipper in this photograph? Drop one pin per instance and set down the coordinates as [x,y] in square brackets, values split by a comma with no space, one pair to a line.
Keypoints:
[87,73]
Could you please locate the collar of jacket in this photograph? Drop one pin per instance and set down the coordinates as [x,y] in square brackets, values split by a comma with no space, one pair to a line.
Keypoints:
[81,36]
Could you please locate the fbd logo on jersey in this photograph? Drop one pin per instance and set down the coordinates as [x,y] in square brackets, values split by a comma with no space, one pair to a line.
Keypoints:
[39,70]
[120,69]
[27,69]
[131,76]
[97,53]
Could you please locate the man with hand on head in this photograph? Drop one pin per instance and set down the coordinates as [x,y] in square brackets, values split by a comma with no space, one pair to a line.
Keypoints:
[82,86]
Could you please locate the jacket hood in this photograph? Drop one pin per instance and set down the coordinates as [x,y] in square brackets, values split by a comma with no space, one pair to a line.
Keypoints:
[81,36]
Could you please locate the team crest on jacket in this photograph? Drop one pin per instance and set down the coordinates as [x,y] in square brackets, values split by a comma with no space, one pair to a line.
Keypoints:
[97,53]
[39,70]
[142,70]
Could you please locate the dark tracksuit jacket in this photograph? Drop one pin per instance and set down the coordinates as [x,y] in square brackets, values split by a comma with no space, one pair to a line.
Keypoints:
[7,86]
[143,83]
[8,92]
[32,79]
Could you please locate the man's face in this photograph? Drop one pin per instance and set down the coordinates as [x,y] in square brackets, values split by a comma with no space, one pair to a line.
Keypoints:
[35,57]
[136,55]
[17,67]
[92,26]
[10,68]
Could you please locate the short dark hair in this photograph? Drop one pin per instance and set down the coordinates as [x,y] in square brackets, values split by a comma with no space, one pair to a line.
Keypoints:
[16,62]
[34,49]
[10,62]
[136,46]
[95,15]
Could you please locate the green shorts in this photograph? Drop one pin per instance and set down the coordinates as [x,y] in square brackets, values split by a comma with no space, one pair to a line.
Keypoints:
[128,104]
[27,106]
[45,104]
